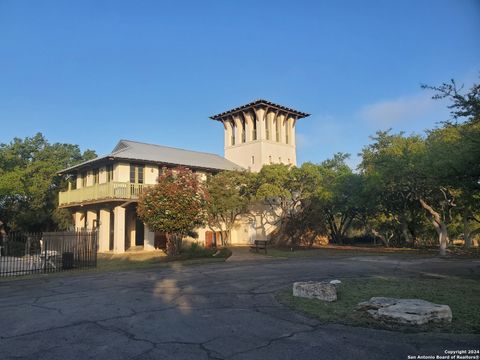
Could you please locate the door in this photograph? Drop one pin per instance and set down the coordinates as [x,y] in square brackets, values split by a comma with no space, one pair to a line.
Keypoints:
[139,232]
[208,239]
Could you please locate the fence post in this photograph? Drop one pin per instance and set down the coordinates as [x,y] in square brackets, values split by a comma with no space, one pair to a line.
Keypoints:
[44,254]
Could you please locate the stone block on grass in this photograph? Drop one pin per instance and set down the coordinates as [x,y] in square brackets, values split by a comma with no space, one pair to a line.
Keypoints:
[315,290]
[406,311]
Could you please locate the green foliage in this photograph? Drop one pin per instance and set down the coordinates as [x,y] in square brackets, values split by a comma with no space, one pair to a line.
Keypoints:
[176,205]
[29,182]
[227,200]
[463,105]
[392,171]
[340,197]
[310,200]
[196,250]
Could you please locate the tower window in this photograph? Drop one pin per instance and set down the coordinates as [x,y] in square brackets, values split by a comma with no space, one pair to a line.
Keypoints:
[270,159]
[253,160]
[267,128]
[244,134]
[234,131]
[254,132]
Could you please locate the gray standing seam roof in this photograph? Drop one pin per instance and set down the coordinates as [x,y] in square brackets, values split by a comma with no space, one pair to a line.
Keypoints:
[133,150]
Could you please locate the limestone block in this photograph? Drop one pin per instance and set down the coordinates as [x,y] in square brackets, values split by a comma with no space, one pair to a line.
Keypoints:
[315,290]
[406,311]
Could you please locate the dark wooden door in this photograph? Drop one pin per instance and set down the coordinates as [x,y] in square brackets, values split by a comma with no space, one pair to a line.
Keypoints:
[208,239]
[139,232]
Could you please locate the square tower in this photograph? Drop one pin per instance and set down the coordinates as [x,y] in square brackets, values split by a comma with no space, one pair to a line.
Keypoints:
[260,133]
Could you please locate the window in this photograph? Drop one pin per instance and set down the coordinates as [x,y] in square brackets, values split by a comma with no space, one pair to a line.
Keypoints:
[136,173]
[253,160]
[234,130]
[84,179]
[267,128]
[287,130]
[73,182]
[270,159]
[244,134]
[279,159]
[254,131]
[109,173]
[95,176]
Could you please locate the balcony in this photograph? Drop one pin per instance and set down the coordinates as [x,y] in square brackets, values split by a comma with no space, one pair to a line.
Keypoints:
[100,192]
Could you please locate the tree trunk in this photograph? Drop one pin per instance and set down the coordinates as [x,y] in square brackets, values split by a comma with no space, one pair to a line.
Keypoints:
[223,239]
[376,234]
[174,244]
[444,240]
[467,234]
[473,233]
[405,231]
[439,225]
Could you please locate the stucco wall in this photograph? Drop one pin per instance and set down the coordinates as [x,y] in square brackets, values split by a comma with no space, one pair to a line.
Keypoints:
[121,172]
[151,174]
[261,150]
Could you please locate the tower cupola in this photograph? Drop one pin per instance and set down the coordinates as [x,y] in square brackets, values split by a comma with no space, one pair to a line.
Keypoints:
[260,133]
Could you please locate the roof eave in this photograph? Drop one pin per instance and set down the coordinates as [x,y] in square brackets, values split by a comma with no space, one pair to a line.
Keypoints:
[221,116]
[118,158]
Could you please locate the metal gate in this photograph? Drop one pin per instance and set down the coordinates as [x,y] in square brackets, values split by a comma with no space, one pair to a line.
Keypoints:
[31,253]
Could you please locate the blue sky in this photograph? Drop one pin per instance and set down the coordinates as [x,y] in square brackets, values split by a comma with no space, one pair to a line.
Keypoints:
[93,72]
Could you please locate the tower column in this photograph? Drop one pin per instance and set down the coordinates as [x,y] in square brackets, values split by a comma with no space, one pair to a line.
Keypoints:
[248,126]
[281,128]
[239,129]
[268,125]
[291,122]
[228,132]
[260,114]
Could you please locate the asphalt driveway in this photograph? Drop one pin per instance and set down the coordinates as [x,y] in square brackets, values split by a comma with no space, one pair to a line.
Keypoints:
[219,311]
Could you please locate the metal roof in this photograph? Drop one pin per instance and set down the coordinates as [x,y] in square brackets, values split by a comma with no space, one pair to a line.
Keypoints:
[259,102]
[150,153]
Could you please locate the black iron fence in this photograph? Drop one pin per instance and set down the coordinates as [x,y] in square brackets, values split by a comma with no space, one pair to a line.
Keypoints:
[30,253]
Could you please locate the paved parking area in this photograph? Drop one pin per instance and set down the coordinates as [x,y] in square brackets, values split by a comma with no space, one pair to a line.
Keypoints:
[218,311]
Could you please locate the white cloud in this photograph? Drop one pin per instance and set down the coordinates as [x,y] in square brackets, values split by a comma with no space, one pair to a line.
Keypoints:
[402,110]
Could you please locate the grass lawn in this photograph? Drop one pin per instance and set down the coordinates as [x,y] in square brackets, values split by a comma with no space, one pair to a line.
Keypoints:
[146,259]
[453,252]
[347,251]
[462,295]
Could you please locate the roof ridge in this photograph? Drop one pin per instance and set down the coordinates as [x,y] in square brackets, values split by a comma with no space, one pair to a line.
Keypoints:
[170,147]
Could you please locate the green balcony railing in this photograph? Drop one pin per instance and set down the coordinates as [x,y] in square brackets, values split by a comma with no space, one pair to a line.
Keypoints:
[105,191]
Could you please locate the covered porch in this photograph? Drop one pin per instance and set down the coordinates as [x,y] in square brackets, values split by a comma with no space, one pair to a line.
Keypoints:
[119,228]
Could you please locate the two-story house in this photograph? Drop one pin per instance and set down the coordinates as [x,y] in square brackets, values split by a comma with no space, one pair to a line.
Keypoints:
[103,192]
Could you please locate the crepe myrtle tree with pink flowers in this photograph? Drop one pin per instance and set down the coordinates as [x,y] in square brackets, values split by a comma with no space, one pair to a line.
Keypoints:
[175,206]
